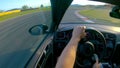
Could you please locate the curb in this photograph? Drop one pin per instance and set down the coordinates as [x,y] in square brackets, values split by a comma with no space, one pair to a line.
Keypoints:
[83,18]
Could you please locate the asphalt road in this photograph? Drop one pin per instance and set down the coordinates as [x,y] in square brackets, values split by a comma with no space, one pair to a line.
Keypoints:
[16,44]
[70,16]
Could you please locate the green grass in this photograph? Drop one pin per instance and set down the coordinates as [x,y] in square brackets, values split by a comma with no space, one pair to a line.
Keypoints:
[101,15]
[10,16]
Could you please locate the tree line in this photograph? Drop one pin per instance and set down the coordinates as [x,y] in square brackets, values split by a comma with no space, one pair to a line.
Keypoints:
[24,7]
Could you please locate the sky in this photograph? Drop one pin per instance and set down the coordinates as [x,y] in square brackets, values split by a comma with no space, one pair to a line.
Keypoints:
[10,4]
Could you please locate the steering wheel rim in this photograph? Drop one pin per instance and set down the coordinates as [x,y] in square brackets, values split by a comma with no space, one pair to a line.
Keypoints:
[91,30]
[101,36]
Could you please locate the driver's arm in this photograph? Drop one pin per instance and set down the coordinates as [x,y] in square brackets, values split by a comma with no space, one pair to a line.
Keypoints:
[67,58]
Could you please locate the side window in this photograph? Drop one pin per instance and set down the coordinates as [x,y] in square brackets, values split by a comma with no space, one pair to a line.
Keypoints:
[16,18]
[41,9]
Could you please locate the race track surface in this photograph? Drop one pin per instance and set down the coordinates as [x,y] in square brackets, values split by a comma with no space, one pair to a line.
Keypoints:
[16,44]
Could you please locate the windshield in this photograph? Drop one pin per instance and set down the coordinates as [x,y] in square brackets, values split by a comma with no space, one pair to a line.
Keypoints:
[84,11]
[17,45]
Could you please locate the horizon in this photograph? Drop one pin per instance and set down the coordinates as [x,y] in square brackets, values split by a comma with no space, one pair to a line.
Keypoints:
[36,3]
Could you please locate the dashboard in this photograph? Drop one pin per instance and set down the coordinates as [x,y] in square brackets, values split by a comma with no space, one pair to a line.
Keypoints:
[63,35]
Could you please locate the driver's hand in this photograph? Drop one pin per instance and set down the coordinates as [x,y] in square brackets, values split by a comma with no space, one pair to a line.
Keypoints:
[78,33]
[97,65]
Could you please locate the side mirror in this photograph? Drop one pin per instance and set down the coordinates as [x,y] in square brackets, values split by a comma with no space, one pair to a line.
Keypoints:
[115,12]
[38,29]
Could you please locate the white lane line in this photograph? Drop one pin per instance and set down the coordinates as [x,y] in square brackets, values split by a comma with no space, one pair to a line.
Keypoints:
[82,17]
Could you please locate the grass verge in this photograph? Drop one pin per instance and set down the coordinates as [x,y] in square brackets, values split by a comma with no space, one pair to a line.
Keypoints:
[100,15]
[6,17]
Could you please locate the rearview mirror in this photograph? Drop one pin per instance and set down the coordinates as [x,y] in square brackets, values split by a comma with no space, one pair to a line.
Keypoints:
[115,12]
[38,29]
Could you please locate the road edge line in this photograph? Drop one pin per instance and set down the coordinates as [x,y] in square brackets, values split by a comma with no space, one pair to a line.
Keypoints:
[83,18]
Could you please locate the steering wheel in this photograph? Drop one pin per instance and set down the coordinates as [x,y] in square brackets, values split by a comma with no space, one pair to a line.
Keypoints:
[87,48]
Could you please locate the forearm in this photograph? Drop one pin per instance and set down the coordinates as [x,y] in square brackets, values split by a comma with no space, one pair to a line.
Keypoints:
[67,58]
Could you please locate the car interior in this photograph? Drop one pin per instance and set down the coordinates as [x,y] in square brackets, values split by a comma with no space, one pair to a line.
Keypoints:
[37,39]
[101,40]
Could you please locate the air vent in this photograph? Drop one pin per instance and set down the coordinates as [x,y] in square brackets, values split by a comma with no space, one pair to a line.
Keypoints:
[60,35]
[111,36]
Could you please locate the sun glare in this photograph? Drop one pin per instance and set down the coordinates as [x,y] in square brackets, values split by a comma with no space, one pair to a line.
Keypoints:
[86,2]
